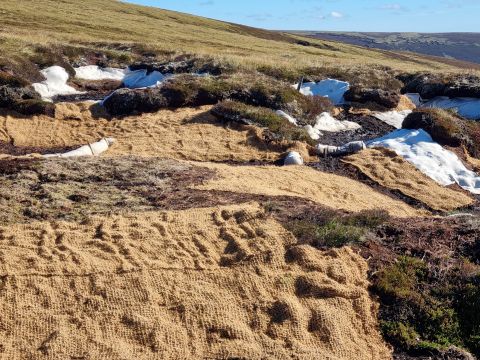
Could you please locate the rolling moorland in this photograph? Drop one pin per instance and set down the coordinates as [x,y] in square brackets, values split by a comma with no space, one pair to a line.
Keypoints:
[186,237]
[460,46]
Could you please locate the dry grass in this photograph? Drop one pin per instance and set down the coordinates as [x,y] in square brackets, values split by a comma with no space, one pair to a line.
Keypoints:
[119,28]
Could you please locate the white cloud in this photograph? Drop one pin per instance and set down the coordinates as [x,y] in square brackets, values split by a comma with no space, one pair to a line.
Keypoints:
[336,14]
[392,7]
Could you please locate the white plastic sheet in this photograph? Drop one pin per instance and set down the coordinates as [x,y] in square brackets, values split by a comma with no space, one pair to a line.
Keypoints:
[293,158]
[467,107]
[93,149]
[141,79]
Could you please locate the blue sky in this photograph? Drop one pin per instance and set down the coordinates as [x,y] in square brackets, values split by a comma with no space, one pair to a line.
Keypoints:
[336,15]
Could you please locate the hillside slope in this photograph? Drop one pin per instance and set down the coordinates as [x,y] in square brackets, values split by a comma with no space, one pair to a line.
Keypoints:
[196,205]
[119,27]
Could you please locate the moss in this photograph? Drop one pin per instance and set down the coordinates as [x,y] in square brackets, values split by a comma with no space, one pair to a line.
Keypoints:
[312,106]
[440,324]
[263,117]
[416,303]
[277,128]
[468,303]
[370,219]
[401,335]
[442,125]
[180,93]
[250,90]
[373,77]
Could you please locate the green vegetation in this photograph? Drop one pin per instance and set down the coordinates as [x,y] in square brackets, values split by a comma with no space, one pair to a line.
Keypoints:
[336,231]
[422,312]
[278,127]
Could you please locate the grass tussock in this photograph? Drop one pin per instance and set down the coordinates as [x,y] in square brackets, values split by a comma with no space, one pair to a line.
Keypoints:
[279,129]
[248,88]
[446,128]
[13,81]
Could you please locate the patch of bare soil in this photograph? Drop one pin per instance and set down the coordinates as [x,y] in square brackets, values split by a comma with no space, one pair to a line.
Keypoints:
[393,172]
[187,133]
[372,128]
[200,283]
[74,189]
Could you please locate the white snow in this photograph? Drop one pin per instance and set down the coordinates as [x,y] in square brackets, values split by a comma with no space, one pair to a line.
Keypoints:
[326,122]
[94,72]
[290,118]
[466,107]
[330,88]
[393,118]
[141,79]
[415,98]
[55,83]
[418,148]
[94,149]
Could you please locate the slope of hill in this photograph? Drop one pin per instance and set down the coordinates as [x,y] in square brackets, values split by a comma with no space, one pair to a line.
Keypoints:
[459,46]
[119,27]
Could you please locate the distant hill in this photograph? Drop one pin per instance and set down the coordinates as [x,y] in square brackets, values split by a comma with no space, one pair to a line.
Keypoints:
[459,46]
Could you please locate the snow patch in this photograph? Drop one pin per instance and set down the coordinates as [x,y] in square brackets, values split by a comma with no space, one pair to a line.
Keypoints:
[467,107]
[142,79]
[393,118]
[94,72]
[418,148]
[326,122]
[329,88]
[415,98]
[55,83]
